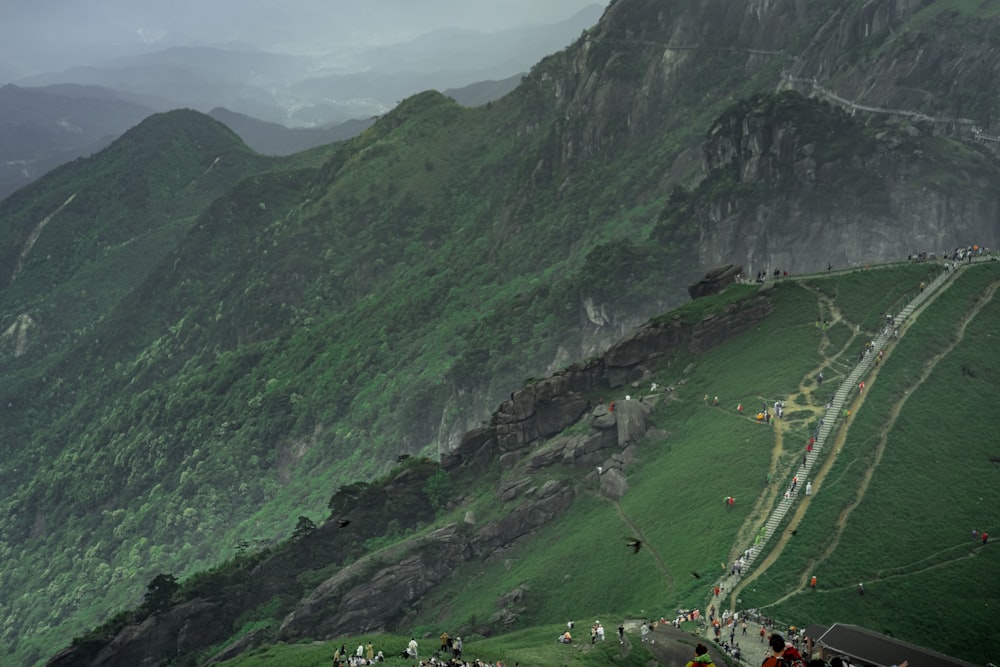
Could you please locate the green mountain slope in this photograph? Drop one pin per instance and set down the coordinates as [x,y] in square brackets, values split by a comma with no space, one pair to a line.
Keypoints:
[208,349]
[545,534]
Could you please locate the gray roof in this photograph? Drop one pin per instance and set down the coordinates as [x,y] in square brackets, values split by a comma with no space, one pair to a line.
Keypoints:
[871,648]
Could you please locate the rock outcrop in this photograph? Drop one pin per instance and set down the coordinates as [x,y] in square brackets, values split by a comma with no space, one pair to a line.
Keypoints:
[715,281]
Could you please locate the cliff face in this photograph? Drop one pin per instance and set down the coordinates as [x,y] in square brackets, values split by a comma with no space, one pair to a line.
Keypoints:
[922,66]
[797,185]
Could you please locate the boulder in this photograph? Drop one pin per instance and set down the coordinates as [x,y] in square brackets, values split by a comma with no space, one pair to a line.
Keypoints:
[614,484]
[715,281]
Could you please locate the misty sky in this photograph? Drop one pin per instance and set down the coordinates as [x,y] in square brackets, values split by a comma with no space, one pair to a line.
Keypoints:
[40,34]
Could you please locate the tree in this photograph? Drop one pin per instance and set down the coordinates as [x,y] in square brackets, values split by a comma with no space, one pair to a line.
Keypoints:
[160,591]
[438,489]
[304,528]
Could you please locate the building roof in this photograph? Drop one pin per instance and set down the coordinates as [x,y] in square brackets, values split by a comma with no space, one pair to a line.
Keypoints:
[871,648]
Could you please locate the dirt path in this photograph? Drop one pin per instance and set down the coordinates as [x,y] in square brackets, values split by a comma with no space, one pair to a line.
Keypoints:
[838,443]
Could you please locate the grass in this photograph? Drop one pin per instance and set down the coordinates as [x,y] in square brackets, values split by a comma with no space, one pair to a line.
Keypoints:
[906,532]
[907,535]
[534,646]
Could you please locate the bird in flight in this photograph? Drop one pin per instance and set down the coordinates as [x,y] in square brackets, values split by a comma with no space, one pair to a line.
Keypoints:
[635,544]
[695,574]
[343,522]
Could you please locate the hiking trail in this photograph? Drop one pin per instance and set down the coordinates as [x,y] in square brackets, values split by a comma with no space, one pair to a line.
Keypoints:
[767,516]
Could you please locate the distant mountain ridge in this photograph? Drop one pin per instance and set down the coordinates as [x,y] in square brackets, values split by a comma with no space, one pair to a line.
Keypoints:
[42,128]
[278,89]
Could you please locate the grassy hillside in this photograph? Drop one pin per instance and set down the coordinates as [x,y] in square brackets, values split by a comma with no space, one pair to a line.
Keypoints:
[915,474]
[216,342]
[697,453]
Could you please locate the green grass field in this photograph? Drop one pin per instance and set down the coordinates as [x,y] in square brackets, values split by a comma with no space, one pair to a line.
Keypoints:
[918,471]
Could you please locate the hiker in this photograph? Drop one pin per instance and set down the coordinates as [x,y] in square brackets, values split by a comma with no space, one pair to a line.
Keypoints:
[566,638]
[809,488]
[411,648]
[985,536]
[644,632]
[812,582]
[861,589]
[701,657]
[621,634]
[783,653]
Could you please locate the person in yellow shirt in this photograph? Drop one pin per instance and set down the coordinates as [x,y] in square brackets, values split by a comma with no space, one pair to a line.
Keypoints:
[701,657]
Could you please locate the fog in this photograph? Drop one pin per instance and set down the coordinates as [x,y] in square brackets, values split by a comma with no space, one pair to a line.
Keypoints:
[40,35]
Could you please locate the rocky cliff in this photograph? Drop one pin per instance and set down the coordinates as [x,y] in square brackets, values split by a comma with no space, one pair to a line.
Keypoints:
[799,184]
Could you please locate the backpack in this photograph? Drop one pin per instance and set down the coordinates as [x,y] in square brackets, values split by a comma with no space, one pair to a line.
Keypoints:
[794,660]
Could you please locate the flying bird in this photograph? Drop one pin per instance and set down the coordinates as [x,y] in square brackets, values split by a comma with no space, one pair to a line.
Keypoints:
[635,544]
[343,523]
[695,574]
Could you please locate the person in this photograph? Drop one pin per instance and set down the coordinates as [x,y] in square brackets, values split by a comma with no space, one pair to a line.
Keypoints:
[411,648]
[701,657]
[593,634]
[370,651]
[360,650]
[600,632]
[621,634]
[783,654]
[777,645]
[566,638]
[861,588]
[456,647]
[986,536]
[444,642]
[812,582]
[762,634]
[644,632]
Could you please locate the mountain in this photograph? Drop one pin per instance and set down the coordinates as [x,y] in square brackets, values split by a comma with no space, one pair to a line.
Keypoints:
[481,92]
[41,128]
[75,112]
[276,139]
[573,460]
[282,338]
[320,90]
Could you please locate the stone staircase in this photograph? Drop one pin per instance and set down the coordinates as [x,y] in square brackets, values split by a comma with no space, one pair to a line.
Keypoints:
[840,398]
